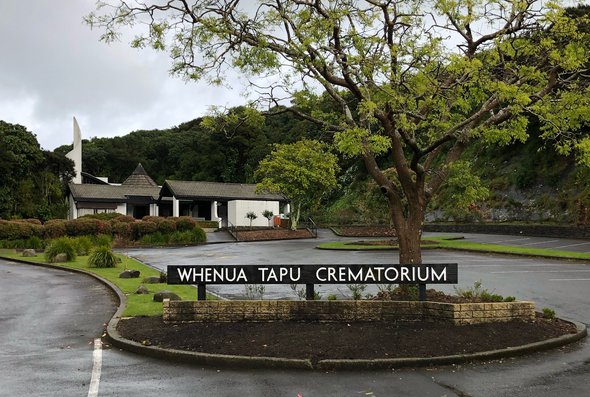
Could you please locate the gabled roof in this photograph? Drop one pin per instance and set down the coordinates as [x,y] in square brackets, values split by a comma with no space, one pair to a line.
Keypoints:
[139,177]
[112,193]
[214,190]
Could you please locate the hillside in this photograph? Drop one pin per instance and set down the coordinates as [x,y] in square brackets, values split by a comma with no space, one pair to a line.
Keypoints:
[526,182]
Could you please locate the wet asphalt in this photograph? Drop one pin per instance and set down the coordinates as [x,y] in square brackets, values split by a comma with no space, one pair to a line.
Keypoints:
[48,320]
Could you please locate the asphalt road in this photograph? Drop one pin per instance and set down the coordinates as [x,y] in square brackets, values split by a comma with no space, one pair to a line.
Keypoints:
[49,319]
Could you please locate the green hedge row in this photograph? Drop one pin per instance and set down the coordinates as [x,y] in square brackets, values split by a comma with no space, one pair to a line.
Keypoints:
[125,226]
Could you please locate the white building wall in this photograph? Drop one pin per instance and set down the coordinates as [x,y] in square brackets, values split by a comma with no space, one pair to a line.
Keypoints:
[73,213]
[237,210]
[122,208]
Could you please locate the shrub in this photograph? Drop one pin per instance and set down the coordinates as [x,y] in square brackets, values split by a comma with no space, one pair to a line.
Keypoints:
[62,245]
[87,227]
[548,313]
[125,219]
[103,240]
[105,216]
[83,245]
[34,242]
[54,228]
[185,223]
[142,228]
[509,299]
[156,238]
[208,224]
[102,257]
[199,235]
[181,238]
[167,226]
[122,229]
[17,230]
[30,221]
[155,219]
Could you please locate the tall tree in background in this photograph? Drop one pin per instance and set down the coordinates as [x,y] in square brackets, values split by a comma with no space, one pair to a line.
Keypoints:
[416,81]
[302,171]
[32,181]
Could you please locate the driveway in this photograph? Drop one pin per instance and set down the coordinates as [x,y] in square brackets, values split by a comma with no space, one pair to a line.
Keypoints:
[50,319]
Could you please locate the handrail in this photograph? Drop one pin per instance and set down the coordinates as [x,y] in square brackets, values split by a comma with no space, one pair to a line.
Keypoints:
[311,226]
[233,230]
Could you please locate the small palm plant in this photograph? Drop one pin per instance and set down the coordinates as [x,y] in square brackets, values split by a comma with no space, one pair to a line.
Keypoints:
[251,215]
[268,214]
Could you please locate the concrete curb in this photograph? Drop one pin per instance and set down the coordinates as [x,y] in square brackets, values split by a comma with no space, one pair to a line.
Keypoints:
[285,363]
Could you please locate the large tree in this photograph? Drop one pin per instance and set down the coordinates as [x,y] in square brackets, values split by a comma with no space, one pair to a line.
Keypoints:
[415,81]
[303,171]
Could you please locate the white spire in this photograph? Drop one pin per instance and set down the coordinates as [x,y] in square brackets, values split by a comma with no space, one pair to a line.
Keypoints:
[76,153]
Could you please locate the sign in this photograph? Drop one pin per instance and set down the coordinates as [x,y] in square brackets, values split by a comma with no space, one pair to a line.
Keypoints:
[439,273]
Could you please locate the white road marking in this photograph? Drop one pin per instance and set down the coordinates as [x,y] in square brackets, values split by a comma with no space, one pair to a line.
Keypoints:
[569,279]
[542,271]
[571,245]
[541,242]
[96,368]
[507,241]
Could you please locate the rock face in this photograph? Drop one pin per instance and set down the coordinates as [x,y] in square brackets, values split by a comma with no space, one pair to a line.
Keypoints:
[129,274]
[152,280]
[142,290]
[60,258]
[161,295]
[29,253]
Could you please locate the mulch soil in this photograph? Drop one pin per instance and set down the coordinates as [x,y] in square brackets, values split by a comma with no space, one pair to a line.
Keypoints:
[317,341]
[273,234]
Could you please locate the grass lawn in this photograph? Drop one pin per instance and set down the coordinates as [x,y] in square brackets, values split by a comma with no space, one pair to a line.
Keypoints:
[137,305]
[454,244]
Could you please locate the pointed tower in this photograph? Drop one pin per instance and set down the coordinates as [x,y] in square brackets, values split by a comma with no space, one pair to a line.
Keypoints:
[139,177]
[76,153]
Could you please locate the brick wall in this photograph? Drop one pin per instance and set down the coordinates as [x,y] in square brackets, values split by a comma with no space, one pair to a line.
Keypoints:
[345,311]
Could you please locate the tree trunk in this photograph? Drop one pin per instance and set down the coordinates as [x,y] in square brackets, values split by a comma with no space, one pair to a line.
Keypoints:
[409,234]
[295,219]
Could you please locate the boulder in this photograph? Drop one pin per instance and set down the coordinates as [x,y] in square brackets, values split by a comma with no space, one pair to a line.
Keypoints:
[161,295]
[60,258]
[29,253]
[152,280]
[142,290]
[129,274]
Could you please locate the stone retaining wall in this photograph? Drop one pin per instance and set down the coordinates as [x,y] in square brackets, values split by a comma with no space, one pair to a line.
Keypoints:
[345,311]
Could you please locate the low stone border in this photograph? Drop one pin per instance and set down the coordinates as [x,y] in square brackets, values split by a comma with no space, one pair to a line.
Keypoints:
[345,311]
[272,362]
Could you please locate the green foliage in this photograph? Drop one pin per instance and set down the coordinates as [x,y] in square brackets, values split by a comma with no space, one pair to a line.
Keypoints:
[102,257]
[302,171]
[356,290]
[403,92]
[472,292]
[62,245]
[32,181]
[251,216]
[548,313]
[185,223]
[83,245]
[167,226]
[268,214]
[103,240]
[332,297]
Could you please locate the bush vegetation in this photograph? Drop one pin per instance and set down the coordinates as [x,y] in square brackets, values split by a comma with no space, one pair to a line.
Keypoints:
[102,257]
[62,245]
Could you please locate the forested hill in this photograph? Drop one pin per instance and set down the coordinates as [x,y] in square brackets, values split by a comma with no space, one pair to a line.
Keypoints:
[526,181]
[227,149]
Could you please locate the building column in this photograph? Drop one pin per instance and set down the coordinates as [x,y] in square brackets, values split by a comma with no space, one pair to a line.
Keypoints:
[154,210]
[287,208]
[214,216]
[175,207]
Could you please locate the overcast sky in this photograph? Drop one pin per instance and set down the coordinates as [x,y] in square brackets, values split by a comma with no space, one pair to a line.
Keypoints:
[53,67]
